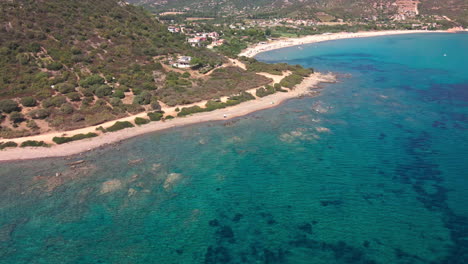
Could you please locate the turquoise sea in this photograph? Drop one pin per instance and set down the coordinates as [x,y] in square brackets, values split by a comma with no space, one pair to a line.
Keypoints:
[374,170]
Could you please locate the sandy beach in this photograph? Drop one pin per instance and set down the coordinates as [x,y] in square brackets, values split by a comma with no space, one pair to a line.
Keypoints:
[289,42]
[80,146]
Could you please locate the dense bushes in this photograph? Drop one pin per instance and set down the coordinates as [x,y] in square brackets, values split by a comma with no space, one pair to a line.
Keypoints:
[267,90]
[8,106]
[291,80]
[39,114]
[9,144]
[16,117]
[155,116]
[103,90]
[65,88]
[141,121]
[28,101]
[119,125]
[62,140]
[33,143]
[191,110]
[92,80]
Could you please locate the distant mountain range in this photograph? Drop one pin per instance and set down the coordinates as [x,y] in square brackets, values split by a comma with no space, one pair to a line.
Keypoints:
[345,9]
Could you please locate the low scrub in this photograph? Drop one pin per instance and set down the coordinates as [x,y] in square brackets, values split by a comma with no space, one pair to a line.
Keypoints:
[62,140]
[141,121]
[291,80]
[9,144]
[119,125]
[264,91]
[155,116]
[34,143]
[191,110]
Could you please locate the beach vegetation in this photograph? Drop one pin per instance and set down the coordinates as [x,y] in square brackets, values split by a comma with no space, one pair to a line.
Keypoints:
[155,116]
[8,144]
[62,140]
[34,143]
[264,91]
[141,121]
[168,117]
[291,80]
[119,125]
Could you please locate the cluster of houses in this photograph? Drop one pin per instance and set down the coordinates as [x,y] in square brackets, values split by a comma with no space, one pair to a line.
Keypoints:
[197,39]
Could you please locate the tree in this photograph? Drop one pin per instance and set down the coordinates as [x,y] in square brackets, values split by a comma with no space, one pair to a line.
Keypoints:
[8,106]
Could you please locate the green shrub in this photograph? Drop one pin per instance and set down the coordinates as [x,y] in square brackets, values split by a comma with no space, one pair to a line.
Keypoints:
[54,66]
[119,125]
[55,101]
[291,80]
[213,105]
[155,104]
[32,124]
[134,108]
[169,117]
[141,121]
[119,94]
[142,99]
[155,116]
[267,90]
[74,96]
[39,114]
[16,117]
[33,143]
[62,140]
[8,106]
[67,109]
[9,144]
[92,80]
[28,101]
[65,88]
[114,101]
[103,90]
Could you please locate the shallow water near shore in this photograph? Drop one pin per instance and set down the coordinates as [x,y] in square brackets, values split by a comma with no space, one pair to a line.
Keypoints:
[374,170]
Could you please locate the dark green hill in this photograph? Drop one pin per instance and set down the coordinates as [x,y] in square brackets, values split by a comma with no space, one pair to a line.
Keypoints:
[43,43]
[71,64]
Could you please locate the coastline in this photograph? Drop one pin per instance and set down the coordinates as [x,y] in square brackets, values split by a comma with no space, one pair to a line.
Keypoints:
[80,146]
[290,42]
[76,147]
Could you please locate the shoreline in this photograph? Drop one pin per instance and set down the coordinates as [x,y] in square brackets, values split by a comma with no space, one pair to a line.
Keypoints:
[306,87]
[256,49]
[245,108]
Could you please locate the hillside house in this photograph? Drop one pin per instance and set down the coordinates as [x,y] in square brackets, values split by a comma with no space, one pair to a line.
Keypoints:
[183,62]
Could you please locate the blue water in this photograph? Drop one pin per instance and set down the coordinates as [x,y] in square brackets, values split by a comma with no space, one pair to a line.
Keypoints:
[374,170]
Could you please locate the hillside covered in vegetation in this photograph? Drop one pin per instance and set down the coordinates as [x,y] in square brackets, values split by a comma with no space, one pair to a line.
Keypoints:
[71,64]
[321,10]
